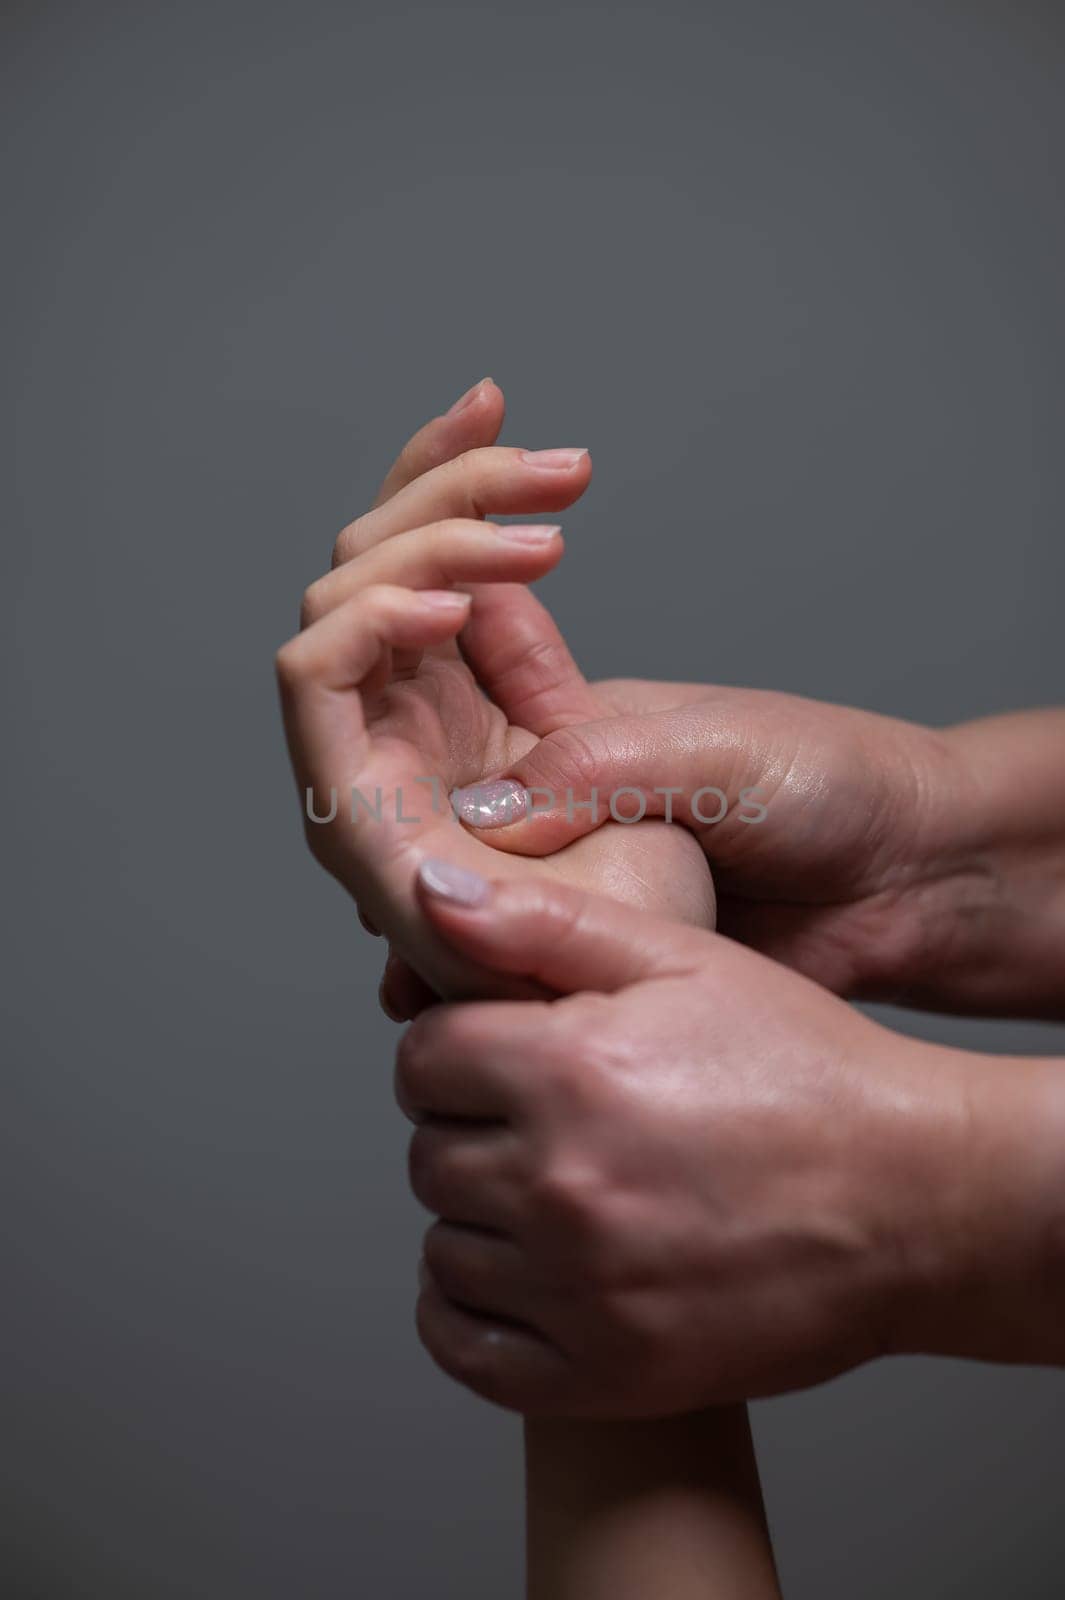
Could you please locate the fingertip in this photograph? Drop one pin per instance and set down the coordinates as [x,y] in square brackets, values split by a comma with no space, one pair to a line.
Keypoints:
[457,897]
[444,886]
[481,396]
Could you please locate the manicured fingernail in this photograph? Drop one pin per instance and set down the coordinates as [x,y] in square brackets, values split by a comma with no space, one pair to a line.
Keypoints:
[553,460]
[466,399]
[528,532]
[447,881]
[444,600]
[491,805]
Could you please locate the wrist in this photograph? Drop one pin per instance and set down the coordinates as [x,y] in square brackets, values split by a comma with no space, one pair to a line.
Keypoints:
[1000,909]
[985,1266]
[984,897]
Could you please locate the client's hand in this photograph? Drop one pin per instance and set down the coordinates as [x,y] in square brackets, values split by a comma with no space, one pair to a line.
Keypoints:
[385,716]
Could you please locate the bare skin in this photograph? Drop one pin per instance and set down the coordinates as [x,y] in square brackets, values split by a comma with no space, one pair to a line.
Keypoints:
[696,1175]
[377,694]
[892,861]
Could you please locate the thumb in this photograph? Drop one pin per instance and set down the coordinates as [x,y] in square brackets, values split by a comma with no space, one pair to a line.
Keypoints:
[522,662]
[562,938]
[621,769]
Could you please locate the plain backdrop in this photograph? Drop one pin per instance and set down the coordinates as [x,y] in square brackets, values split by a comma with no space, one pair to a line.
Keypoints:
[793,273]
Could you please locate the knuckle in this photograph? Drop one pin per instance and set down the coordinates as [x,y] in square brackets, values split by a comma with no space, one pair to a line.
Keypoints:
[582,751]
[572,758]
[406,1076]
[347,543]
[412,460]
[429,1160]
[573,1078]
[288,663]
[463,477]
[420,1163]
[312,605]
[414,1054]
[448,1263]
[449,528]
[565,1196]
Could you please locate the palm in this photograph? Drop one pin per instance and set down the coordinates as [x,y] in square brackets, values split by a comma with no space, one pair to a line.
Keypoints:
[434,729]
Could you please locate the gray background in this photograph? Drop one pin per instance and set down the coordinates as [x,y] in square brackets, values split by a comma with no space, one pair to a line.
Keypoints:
[793,273]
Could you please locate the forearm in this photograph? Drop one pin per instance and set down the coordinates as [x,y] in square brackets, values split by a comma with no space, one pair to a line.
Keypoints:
[626,1510]
[621,1510]
[986,1264]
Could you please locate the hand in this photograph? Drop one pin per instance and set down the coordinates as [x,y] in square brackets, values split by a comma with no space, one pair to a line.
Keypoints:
[706,1178]
[385,716]
[843,844]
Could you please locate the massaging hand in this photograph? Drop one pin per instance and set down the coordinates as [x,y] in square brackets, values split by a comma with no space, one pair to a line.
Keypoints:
[698,1176]
[885,860]
[380,702]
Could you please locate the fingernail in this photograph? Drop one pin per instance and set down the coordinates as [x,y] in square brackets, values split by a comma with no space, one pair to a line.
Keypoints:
[443,600]
[491,805]
[447,881]
[528,532]
[553,460]
[466,399]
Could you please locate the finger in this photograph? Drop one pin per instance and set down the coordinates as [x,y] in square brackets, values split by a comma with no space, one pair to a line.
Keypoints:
[321,670]
[466,1176]
[510,1365]
[496,480]
[438,555]
[629,696]
[694,767]
[564,786]
[482,1270]
[402,993]
[522,662]
[475,419]
[457,1061]
[558,936]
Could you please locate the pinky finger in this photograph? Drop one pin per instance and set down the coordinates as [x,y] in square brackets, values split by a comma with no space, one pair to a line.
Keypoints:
[509,1364]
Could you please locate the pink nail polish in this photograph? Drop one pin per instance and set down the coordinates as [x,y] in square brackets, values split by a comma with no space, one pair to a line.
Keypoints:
[466,399]
[528,532]
[446,881]
[491,805]
[553,460]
